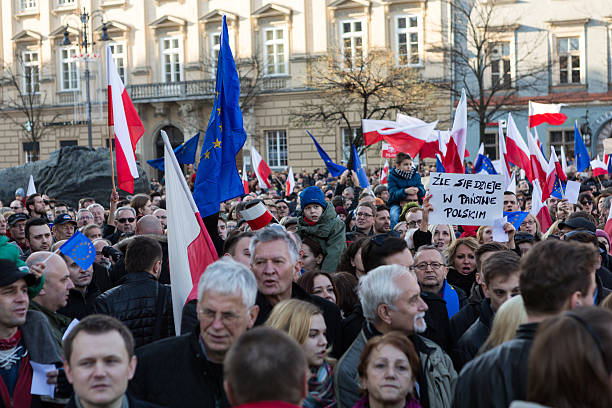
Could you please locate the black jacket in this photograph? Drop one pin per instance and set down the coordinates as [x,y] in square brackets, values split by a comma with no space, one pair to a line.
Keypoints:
[471,341]
[499,376]
[135,302]
[602,291]
[351,326]
[464,318]
[174,372]
[436,318]
[80,305]
[605,276]
[101,277]
[461,281]
[331,314]
[132,402]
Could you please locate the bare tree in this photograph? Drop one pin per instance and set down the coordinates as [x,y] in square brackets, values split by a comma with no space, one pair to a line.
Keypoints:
[24,102]
[480,61]
[370,87]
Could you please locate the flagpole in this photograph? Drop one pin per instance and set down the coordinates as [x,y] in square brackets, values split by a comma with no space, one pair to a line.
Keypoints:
[111,132]
[111,139]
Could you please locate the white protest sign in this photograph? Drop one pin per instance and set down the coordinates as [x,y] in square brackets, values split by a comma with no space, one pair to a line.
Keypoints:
[466,199]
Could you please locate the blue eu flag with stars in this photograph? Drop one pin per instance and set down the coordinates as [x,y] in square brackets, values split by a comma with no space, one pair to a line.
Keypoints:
[217,177]
[361,174]
[583,161]
[516,218]
[484,163]
[334,169]
[80,249]
[558,189]
[185,153]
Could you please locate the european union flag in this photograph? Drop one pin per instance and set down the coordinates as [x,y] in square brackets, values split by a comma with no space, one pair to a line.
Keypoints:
[185,153]
[583,161]
[217,178]
[80,249]
[439,166]
[484,163]
[334,169]
[558,189]
[361,174]
[516,218]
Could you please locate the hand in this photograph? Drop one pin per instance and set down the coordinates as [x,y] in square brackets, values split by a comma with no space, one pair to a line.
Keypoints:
[354,178]
[411,190]
[510,230]
[37,269]
[114,197]
[343,176]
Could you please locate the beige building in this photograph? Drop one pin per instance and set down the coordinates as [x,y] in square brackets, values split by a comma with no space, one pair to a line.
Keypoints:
[165,50]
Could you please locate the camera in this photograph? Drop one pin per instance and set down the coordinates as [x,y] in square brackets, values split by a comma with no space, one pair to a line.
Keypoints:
[110,252]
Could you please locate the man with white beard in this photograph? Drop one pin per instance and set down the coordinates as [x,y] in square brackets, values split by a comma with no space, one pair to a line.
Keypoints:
[391,301]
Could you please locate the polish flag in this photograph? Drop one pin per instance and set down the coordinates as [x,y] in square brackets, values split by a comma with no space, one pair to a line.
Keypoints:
[560,172]
[455,148]
[257,216]
[245,179]
[407,138]
[518,152]
[388,151]
[190,249]
[290,183]
[503,157]
[538,207]
[546,113]
[435,144]
[262,171]
[126,124]
[563,161]
[539,165]
[599,167]
[384,173]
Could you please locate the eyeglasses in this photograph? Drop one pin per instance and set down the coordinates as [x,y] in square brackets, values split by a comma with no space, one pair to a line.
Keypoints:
[424,265]
[529,222]
[16,208]
[227,318]
[414,224]
[364,215]
[124,220]
[584,202]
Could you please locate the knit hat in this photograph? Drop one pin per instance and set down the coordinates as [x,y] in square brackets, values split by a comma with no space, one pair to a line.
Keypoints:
[602,233]
[341,210]
[312,195]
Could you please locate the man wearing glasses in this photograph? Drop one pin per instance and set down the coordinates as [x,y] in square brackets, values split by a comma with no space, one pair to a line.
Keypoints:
[365,214]
[442,299]
[17,207]
[125,222]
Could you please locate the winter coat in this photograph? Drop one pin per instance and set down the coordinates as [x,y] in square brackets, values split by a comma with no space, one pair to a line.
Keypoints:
[436,318]
[463,319]
[80,305]
[436,378]
[11,252]
[396,185]
[135,303]
[329,232]
[471,341]
[499,376]
[175,372]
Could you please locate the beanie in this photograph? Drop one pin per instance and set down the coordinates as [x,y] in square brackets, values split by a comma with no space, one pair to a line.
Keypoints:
[312,195]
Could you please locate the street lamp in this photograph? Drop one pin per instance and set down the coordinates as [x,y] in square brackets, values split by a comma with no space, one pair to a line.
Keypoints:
[84,16]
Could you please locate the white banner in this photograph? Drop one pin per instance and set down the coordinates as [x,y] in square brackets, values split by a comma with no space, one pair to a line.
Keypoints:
[466,199]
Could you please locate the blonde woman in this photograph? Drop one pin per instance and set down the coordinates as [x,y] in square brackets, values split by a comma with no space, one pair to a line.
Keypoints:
[304,322]
[507,319]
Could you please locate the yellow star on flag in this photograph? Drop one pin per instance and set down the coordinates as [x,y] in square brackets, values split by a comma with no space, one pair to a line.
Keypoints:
[217,143]
[207,155]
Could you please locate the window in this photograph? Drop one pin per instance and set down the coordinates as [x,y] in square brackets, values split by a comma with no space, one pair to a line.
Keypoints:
[31,72]
[66,143]
[565,138]
[172,55]
[118,51]
[501,77]
[215,46]
[28,4]
[277,148]
[352,34]
[275,51]
[61,3]
[408,46]
[69,69]
[30,151]
[490,145]
[568,50]
[347,142]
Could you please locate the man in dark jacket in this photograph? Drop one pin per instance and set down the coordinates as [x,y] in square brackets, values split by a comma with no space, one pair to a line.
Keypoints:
[554,276]
[141,302]
[100,351]
[274,261]
[500,281]
[443,300]
[82,297]
[187,371]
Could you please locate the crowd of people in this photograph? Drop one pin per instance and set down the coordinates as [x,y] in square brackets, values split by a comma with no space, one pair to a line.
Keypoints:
[349,297]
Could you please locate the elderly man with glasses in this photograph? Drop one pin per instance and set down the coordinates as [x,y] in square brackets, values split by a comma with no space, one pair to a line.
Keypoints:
[125,222]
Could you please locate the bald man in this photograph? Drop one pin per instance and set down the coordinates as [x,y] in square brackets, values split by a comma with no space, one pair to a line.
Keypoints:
[54,293]
[149,224]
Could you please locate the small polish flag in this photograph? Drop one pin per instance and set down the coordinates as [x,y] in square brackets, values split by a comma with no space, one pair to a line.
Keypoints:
[257,216]
[563,161]
[262,171]
[518,152]
[539,208]
[599,167]
[407,138]
[559,170]
[455,148]
[388,151]
[290,183]
[539,165]
[546,113]
[384,173]
[245,179]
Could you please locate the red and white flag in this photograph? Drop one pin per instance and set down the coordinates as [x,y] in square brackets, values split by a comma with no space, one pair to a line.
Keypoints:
[407,138]
[257,216]
[261,169]
[599,167]
[388,151]
[518,152]
[539,208]
[290,183]
[563,161]
[245,179]
[503,157]
[128,127]
[190,249]
[539,165]
[546,113]
[559,171]
[455,148]
[384,173]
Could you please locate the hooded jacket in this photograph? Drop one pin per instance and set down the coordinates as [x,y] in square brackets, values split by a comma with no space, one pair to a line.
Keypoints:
[329,232]
[397,182]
